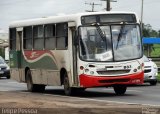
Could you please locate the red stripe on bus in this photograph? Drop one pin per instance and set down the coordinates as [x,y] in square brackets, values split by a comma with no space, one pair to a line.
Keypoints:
[104,81]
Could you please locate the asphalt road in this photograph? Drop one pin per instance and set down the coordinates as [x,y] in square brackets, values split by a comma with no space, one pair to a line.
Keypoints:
[142,94]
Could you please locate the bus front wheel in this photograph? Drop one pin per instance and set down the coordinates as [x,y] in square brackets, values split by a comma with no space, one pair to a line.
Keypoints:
[67,89]
[120,89]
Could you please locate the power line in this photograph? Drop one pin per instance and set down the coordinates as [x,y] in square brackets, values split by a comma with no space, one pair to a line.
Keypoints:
[92,4]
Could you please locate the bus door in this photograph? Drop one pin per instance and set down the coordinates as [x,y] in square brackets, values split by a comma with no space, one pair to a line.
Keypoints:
[72,32]
[19,46]
[18,55]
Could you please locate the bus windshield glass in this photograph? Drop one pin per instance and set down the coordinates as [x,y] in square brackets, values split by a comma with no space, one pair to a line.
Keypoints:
[116,42]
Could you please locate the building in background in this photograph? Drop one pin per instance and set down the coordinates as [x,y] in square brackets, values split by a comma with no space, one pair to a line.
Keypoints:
[4,50]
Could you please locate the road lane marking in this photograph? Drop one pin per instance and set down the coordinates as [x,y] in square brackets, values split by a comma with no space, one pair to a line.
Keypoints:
[16,83]
[4,90]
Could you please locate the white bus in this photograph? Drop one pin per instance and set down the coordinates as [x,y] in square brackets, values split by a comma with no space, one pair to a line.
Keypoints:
[100,49]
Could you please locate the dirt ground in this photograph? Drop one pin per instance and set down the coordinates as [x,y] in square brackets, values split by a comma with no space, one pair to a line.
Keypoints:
[37,103]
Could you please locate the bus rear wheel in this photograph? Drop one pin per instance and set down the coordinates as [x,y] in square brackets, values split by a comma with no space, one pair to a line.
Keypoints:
[33,87]
[120,89]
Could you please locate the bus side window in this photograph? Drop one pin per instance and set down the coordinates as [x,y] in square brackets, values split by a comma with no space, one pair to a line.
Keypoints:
[27,37]
[50,39]
[13,39]
[38,37]
[62,35]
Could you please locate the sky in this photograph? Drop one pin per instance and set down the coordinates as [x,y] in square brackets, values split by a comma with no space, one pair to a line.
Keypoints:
[13,10]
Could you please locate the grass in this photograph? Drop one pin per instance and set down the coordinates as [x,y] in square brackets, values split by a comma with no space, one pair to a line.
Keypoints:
[155,50]
[159,76]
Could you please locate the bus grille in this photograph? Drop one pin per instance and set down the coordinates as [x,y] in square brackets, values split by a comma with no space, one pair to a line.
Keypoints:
[113,72]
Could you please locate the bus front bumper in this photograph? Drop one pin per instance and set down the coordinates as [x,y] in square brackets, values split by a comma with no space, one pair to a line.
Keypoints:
[88,81]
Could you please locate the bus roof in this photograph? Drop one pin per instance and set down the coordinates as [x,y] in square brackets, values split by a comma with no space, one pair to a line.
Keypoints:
[62,18]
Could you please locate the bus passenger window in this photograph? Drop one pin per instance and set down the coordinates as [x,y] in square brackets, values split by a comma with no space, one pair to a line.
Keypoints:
[13,38]
[38,37]
[50,39]
[62,35]
[27,37]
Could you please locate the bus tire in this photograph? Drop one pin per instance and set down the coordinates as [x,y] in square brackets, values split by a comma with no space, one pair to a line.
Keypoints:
[153,83]
[8,77]
[81,89]
[67,89]
[120,89]
[30,86]
[40,88]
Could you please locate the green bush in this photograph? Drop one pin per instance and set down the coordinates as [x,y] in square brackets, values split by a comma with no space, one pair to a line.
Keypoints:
[158,76]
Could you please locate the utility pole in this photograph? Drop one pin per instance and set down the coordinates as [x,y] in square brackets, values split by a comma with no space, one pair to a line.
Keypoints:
[108,4]
[92,4]
[142,15]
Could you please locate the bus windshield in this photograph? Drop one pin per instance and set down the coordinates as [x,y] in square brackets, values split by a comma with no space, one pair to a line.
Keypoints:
[122,42]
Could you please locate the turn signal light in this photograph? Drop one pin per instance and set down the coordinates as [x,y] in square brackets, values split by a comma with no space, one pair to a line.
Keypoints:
[81,67]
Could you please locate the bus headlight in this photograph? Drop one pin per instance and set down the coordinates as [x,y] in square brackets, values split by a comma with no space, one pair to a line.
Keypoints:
[139,67]
[86,70]
[135,70]
[92,72]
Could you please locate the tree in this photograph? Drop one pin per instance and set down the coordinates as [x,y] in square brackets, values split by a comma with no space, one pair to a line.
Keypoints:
[149,32]
[159,33]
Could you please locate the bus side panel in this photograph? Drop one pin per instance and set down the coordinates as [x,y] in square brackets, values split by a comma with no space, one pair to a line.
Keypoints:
[46,77]
[53,78]
[36,76]
[43,66]
[14,72]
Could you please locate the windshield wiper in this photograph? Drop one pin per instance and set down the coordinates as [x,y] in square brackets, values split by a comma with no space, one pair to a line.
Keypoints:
[120,34]
[102,35]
